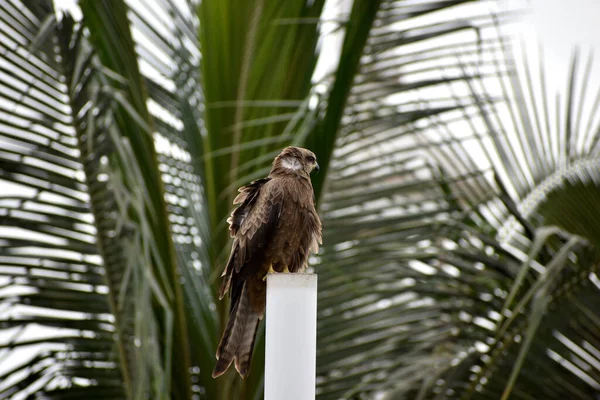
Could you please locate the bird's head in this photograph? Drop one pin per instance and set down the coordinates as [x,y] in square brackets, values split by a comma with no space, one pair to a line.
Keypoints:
[295,160]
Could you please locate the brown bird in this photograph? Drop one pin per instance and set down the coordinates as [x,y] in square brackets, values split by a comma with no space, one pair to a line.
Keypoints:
[274,229]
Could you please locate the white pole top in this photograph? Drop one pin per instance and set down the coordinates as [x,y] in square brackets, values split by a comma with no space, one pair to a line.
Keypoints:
[291,337]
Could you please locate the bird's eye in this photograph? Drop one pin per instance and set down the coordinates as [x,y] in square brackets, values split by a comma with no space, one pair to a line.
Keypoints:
[310,159]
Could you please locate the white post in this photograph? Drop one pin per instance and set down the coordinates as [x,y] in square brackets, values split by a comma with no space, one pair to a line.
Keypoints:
[291,337]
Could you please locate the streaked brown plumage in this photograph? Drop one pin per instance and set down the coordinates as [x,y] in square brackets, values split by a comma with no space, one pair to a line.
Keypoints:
[275,228]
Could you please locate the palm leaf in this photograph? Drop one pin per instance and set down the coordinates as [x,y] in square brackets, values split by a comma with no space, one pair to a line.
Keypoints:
[174,93]
[557,362]
[408,188]
[58,329]
[390,283]
[489,269]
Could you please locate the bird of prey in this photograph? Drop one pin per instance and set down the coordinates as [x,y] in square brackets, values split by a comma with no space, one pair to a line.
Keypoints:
[274,229]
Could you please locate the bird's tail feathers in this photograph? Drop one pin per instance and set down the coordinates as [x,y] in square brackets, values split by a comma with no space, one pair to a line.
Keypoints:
[237,343]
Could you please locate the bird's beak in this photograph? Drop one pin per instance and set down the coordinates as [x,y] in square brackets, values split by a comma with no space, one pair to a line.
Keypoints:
[316,168]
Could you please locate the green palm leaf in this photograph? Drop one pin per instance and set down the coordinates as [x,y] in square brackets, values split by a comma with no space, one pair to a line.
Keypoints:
[58,326]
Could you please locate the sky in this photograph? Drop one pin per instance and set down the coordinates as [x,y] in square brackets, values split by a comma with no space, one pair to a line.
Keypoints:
[559,25]
[564,23]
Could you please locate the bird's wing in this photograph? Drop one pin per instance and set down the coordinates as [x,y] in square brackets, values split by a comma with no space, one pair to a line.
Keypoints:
[247,198]
[251,225]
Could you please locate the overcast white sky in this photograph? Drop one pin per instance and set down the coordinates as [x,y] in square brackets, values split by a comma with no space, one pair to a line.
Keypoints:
[563,23]
[560,25]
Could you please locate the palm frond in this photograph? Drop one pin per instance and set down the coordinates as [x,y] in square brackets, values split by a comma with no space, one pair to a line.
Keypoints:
[391,284]
[420,193]
[545,171]
[169,58]
[438,268]
[57,327]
